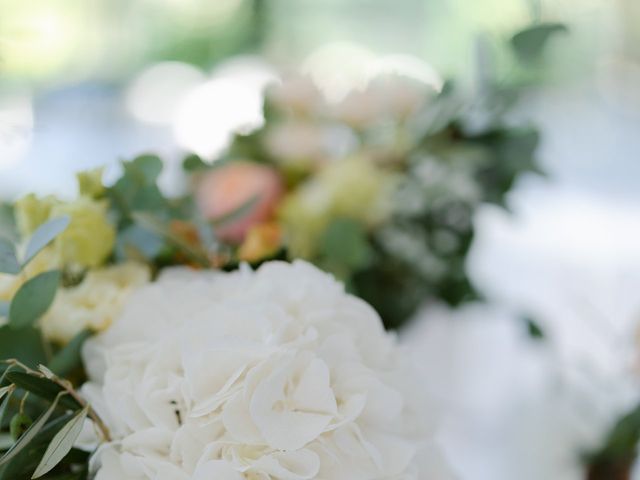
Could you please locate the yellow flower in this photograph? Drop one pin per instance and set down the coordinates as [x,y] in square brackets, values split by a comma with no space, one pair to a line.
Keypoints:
[90,182]
[353,188]
[89,238]
[94,303]
[31,212]
[262,241]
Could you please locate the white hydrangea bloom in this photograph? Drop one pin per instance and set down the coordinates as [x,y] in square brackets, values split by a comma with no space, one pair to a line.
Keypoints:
[276,374]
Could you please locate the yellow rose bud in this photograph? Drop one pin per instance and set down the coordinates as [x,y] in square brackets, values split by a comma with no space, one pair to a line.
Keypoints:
[90,182]
[94,303]
[353,188]
[262,241]
[31,212]
[89,238]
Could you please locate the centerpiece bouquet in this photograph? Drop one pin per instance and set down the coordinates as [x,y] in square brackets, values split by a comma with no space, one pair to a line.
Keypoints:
[124,358]
[152,338]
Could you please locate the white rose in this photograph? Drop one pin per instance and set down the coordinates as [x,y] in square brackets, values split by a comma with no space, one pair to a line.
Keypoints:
[94,303]
[276,374]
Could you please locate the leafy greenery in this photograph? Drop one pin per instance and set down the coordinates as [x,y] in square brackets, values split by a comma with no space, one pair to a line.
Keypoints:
[33,299]
[529,43]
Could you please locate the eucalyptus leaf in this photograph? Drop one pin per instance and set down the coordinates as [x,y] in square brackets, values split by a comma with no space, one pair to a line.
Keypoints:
[42,387]
[529,43]
[33,299]
[61,444]
[44,235]
[8,260]
[68,359]
[23,344]
[31,432]
[154,225]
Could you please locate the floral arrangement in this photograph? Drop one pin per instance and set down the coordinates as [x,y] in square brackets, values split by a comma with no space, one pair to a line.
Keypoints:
[115,367]
[379,188]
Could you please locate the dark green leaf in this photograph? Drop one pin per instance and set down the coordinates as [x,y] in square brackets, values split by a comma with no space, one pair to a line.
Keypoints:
[345,244]
[33,299]
[61,444]
[194,163]
[41,387]
[530,42]
[8,260]
[24,463]
[44,235]
[23,344]
[68,359]
[31,432]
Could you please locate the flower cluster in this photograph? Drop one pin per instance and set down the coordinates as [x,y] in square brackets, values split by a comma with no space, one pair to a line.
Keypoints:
[378,187]
[276,374]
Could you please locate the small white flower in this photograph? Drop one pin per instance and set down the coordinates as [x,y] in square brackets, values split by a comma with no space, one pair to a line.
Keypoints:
[276,374]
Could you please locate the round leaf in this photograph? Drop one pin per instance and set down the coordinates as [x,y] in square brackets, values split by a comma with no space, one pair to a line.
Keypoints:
[33,299]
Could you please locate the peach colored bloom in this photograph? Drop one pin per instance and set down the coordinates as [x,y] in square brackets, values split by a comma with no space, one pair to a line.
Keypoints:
[227,188]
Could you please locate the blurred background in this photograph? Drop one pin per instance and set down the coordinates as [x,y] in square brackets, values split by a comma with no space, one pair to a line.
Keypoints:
[88,83]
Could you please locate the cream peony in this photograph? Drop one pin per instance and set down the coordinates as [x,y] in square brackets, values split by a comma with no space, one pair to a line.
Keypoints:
[276,374]
[94,303]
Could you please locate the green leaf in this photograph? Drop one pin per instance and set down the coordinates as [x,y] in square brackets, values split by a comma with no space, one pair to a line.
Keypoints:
[5,390]
[8,260]
[4,308]
[194,163]
[31,432]
[344,244]
[25,462]
[144,169]
[137,243]
[42,387]
[529,43]
[236,214]
[23,344]
[33,299]
[5,402]
[62,443]
[44,235]
[154,225]
[68,359]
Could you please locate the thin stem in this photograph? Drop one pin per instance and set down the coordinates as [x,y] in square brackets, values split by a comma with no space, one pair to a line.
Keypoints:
[68,387]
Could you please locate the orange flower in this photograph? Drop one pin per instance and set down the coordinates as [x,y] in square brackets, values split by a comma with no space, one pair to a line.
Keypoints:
[262,241]
[227,188]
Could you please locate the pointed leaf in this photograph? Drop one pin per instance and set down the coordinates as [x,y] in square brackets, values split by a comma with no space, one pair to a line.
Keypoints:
[62,443]
[8,260]
[529,43]
[5,390]
[41,387]
[4,404]
[31,432]
[44,235]
[33,299]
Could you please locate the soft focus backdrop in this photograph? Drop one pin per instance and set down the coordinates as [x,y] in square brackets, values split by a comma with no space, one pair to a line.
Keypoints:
[84,84]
